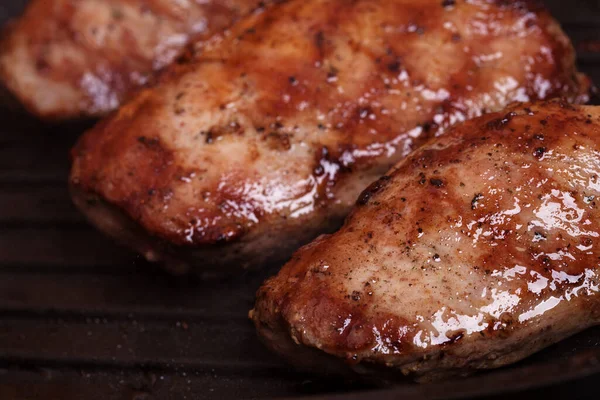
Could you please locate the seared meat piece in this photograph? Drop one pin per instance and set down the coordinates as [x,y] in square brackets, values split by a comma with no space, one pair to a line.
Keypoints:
[476,251]
[78,58]
[265,140]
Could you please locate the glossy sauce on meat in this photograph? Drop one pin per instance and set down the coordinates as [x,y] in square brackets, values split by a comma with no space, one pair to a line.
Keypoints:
[266,138]
[479,249]
[81,58]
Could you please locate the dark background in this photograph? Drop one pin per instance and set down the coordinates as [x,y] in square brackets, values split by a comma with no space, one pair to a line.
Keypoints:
[81,318]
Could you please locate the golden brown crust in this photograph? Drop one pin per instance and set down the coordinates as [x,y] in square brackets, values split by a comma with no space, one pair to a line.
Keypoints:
[277,126]
[81,58]
[476,251]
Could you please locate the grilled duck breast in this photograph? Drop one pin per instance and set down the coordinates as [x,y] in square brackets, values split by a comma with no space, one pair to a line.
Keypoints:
[81,58]
[265,140]
[476,251]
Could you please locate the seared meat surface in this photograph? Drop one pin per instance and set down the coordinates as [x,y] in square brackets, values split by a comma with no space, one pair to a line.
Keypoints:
[476,251]
[81,58]
[265,140]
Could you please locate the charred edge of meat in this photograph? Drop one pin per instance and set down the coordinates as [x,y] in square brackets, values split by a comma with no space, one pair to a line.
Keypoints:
[375,187]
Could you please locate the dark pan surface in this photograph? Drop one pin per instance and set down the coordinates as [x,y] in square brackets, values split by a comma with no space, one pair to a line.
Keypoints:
[81,318]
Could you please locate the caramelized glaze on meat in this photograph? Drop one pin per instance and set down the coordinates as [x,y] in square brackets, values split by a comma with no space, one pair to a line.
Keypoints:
[264,140]
[78,58]
[479,249]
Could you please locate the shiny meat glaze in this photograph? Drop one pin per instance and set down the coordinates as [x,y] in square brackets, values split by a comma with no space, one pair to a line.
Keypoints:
[77,58]
[265,140]
[479,249]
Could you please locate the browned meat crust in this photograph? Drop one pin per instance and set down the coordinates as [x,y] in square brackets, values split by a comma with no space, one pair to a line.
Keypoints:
[81,58]
[265,140]
[476,251]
